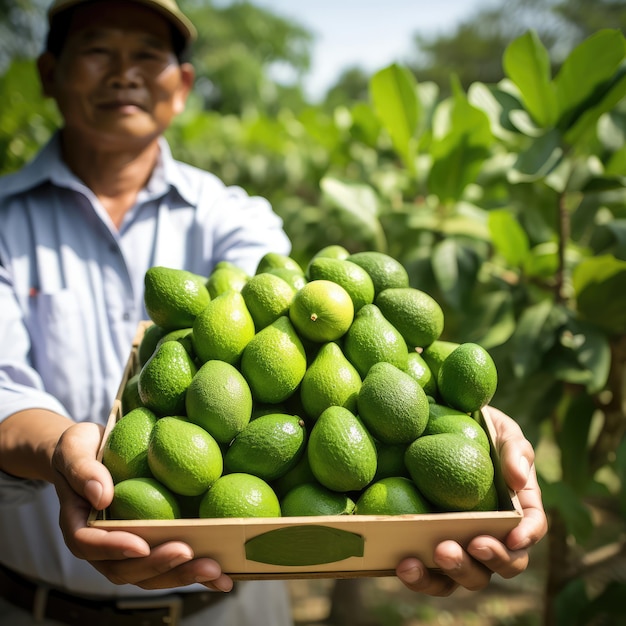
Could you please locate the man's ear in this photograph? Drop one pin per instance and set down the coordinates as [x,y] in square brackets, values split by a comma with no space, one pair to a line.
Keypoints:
[46,65]
[187,77]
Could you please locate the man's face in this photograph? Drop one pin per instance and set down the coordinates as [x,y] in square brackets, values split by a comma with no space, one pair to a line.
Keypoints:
[117,81]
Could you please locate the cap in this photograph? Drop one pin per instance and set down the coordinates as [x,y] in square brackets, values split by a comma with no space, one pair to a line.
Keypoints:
[168,8]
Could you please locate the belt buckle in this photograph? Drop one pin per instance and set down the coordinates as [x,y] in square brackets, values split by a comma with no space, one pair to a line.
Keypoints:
[172,602]
[39,602]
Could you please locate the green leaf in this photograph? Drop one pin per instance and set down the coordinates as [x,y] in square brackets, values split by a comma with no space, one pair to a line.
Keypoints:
[508,237]
[608,607]
[527,63]
[365,124]
[610,238]
[489,319]
[616,165]
[573,442]
[569,603]
[593,353]
[600,288]
[531,400]
[592,63]
[498,105]
[394,95]
[535,334]
[464,225]
[460,147]
[583,356]
[522,120]
[604,99]
[445,268]
[538,160]
[542,260]
[563,498]
[455,268]
[360,203]
[450,174]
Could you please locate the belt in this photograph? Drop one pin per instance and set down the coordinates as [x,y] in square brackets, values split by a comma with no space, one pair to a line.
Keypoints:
[44,601]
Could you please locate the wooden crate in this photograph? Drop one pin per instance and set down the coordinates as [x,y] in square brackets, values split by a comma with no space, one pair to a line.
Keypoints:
[346,546]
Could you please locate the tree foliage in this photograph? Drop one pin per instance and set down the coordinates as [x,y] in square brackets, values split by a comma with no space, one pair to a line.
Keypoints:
[21,29]
[240,50]
[472,51]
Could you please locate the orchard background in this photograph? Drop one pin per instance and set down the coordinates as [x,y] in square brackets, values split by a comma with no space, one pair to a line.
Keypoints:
[494,168]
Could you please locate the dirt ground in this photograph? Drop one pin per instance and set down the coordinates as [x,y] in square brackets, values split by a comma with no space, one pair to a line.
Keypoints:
[386,602]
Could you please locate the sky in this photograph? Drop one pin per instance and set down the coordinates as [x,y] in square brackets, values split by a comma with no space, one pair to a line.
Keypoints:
[367,33]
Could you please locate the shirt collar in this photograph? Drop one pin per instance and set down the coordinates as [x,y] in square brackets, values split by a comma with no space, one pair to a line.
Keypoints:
[48,166]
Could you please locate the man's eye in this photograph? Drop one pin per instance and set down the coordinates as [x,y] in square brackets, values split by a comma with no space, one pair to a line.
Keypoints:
[148,55]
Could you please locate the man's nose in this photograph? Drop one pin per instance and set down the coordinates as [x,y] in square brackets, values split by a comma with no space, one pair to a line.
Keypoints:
[124,72]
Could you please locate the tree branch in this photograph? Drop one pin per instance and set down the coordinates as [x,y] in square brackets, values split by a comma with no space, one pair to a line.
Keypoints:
[614,409]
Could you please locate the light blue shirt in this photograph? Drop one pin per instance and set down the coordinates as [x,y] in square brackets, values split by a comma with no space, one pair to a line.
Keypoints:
[71,297]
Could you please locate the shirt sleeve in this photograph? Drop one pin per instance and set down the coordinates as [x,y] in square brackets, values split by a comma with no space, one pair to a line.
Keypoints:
[248,229]
[21,387]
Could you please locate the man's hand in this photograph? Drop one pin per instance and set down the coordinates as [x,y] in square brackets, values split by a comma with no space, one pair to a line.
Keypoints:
[485,555]
[82,483]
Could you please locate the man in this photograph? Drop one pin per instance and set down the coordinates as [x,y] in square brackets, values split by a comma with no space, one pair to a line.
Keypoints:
[79,226]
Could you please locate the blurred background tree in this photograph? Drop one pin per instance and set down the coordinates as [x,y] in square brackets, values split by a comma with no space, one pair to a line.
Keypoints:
[22,29]
[240,49]
[473,49]
[251,61]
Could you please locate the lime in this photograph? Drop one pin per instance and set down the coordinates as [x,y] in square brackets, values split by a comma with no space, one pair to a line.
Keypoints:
[267,297]
[274,362]
[371,339]
[183,456]
[436,353]
[385,271]
[342,454]
[299,474]
[164,379]
[390,460]
[418,369]
[183,336]
[330,380]
[174,297]
[490,502]
[292,277]
[143,498]
[223,329]
[226,277]
[332,251]
[392,405]
[450,470]
[443,419]
[219,399]
[467,378]
[240,495]
[274,260]
[125,452]
[352,277]
[130,394]
[314,499]
[151,336]
[267,447]
[417,316]
[395,495]
[322,311]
